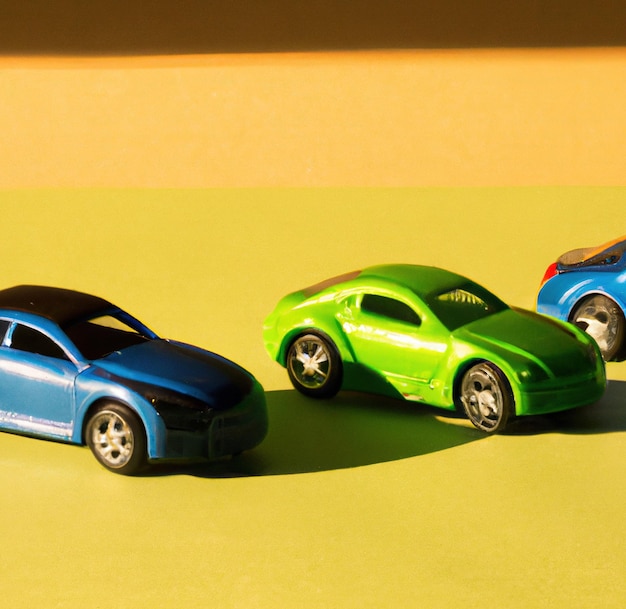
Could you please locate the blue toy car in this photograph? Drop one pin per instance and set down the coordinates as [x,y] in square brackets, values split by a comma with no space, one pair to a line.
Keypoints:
[76,368]
[588,288]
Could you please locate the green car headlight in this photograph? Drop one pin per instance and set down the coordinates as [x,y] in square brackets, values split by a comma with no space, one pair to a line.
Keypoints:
[531,373]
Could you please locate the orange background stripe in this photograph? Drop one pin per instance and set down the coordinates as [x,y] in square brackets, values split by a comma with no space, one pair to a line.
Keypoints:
[394,118]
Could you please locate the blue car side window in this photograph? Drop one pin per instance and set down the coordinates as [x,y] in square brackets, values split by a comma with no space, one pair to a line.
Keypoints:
[4,326]
[33,341]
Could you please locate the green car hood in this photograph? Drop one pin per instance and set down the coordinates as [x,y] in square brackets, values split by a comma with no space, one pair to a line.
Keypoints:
[557,349]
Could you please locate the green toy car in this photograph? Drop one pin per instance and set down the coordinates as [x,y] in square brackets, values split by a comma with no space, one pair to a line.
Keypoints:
[432,336]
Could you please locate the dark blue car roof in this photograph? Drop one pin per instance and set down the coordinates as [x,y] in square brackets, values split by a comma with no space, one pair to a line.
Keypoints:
[57,304]
[606,255]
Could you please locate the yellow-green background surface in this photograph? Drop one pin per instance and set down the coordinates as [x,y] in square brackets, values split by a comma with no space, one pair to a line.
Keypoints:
[357,502]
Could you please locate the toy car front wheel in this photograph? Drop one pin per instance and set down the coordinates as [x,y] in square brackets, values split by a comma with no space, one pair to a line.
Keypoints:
[486,397]
[117,439]
[314,366]
[603,320]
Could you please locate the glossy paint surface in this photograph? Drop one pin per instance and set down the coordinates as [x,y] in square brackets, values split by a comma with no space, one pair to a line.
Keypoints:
[584,272]
[357,502]
[423,359]
[169,385]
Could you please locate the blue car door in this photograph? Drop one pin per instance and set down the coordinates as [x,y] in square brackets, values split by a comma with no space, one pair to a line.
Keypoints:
[36,384]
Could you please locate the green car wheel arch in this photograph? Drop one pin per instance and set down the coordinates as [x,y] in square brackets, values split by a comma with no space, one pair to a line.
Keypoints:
[483,392]
[314,364]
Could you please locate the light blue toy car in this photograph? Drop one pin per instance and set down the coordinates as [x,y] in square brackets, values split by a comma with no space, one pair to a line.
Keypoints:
[588,288]
[74,367]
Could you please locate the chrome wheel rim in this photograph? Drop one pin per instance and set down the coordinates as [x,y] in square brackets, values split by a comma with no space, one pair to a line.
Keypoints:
[309,362]
[112,439]
[482,398]
[597,317]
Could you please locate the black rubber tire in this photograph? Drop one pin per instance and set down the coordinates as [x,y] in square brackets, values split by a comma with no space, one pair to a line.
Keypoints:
[314,365]
[603,319]
[117,439]
[486,397]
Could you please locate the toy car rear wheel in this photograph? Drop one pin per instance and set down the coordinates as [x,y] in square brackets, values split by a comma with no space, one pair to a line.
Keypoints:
[486,397]
[117,439]
[602,319]
[314,365]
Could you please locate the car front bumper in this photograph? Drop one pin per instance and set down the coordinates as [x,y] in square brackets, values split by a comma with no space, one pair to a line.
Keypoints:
[230,432]
[564,395]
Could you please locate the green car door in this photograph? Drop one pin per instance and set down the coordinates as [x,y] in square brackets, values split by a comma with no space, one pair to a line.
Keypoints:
[395,338]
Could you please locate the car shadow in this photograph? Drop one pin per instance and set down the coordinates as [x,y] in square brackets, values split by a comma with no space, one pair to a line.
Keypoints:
[356,429]
[607,415]
[351,430]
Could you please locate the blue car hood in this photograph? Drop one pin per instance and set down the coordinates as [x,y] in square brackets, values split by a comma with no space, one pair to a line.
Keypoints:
[182,368]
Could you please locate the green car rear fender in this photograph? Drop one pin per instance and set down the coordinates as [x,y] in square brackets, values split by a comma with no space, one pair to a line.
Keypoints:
[330,330]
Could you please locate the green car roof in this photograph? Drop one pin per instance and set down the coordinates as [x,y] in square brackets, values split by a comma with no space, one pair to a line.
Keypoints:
[421,280]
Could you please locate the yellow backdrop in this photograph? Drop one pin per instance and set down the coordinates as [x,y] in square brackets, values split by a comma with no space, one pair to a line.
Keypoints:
[195,192]
[419,118]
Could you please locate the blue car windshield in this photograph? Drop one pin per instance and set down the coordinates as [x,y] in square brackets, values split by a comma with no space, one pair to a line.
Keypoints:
[97,337]
[464,304]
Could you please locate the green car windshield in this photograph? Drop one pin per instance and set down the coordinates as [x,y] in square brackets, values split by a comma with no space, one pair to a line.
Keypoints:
[464,304]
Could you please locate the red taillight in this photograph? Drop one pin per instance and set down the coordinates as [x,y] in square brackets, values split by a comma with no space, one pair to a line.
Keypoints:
[551,271]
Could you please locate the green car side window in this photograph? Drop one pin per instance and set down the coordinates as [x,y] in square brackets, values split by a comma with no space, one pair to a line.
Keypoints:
[390,308]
